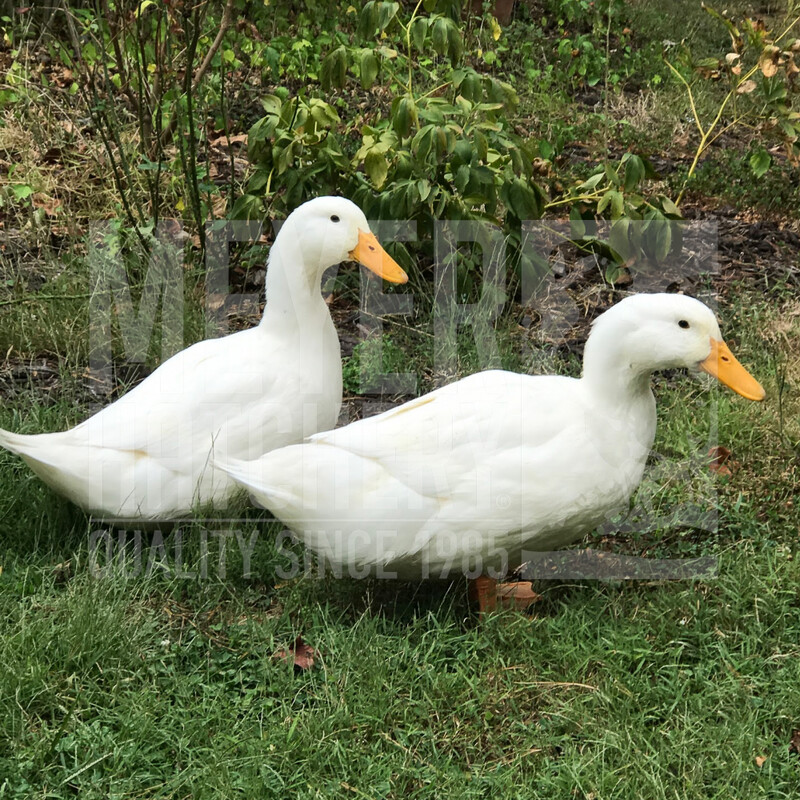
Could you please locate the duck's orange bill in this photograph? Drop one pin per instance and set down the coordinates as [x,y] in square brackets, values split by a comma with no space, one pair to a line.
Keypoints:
[369,252]
[722,364]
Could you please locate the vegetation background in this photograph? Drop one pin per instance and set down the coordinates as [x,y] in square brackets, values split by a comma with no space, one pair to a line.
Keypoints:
[621,121]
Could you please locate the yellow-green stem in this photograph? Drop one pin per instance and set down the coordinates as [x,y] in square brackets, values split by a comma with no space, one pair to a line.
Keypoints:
[408,45]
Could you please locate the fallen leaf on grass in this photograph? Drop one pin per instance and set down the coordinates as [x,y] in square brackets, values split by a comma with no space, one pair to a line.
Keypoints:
[760,760]
[48,204]
[237,138]
[68,126]
[721,462]
[794,745]
[301,653]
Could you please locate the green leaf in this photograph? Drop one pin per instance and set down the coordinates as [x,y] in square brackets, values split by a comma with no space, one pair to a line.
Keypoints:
[462,178]
[377,168]
[670,207]
[247,206]
[612,272]
[21,190]
[404,115]
[455,44]
[591,183]
[604,202]
[577,225]
[634,173]
[439,35]
[386,13]
[368,68]
[424,189]
[462,153]
[663,239]
[322,113]
[440,143]
[618,238]
[259,181]
[334,69]
[617,205]
[368,21]
[422,143]
[708,63]
[481,145]
[419,28]
[284,157]
[521,199]
[472,87]
[760,162]
[143,6]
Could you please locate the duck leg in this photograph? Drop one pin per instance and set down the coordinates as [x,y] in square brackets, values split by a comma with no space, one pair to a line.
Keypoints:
[488,594]
[518,595]
[483,591]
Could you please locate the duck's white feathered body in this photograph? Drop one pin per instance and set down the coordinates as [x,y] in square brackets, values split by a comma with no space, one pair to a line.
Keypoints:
[468,477]
[149,455]
[464,478]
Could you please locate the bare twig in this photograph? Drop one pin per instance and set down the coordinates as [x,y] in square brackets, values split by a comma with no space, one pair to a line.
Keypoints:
[169,130]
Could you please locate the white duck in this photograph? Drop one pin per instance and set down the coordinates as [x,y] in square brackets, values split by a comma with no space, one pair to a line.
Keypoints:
[466,478]
[148,455]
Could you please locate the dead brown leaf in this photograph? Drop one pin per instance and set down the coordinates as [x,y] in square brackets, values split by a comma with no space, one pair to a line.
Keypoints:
[761,760]
[301,653]
[219,206]
[50,205]
[794,744]
[68,126]
[720,458]
[517,595]
[768,61]
[745,87]
[224,141]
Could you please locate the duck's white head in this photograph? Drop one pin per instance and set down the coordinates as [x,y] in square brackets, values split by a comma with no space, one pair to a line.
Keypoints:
[329,230]
[648,332]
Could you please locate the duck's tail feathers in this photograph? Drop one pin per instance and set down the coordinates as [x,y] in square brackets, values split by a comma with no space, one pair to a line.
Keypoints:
[250,475]
[17,443]
[38,448]
[234,467]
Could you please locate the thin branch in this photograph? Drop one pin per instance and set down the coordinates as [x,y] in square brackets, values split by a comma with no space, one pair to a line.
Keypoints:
[691,96]
[169,130]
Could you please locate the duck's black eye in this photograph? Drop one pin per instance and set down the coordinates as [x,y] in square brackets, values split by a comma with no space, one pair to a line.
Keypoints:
[683,323]
[334,218]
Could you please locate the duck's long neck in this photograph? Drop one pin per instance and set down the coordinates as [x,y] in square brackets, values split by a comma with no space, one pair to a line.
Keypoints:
[293,292]
[610,373]
[619,394]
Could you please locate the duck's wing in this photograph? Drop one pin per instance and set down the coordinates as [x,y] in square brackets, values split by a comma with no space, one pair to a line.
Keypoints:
[433,442]
[199,390]
[379,490]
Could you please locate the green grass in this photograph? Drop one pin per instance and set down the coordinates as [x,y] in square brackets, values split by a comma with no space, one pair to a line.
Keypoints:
[611,691]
